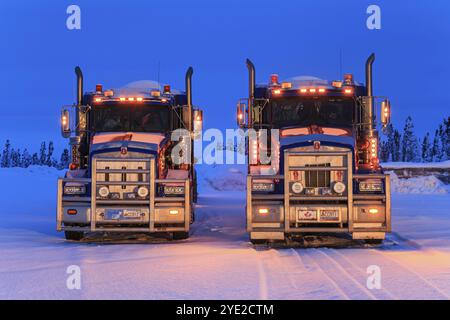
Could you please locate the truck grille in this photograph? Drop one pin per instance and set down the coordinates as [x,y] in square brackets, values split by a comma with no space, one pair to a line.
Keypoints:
[318,179]
[122,176]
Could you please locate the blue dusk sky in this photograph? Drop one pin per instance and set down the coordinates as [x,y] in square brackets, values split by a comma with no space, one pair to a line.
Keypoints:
[123,41]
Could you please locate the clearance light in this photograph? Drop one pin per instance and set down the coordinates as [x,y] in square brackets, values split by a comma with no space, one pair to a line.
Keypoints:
[373,211]
[348,78]
[274,78]
[263,211]
[337,84]
[98,88]
[98,100]
[130,99]
[303,90]
[122,99]
[373,147]
[156,93]
[173,211]
[312,90]
[139,99]
[321,90]
[277,91]
[348,91]
[72,211]
[286,85]
[163,100]
[108,93]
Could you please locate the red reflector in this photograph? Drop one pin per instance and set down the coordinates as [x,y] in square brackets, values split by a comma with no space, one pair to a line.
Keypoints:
[73,166]
[72,211]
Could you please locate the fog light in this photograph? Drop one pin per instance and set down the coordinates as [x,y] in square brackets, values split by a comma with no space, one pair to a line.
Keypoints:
[263,211]
[173,211]
[373,210]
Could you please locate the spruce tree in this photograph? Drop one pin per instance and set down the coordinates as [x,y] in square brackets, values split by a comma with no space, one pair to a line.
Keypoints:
[26,158]
[410,145]
[35,159]
[65,159]
[396,150]
[384,151]
[426,149]
[42,154]
[434,153]
[50,161]
[6,163]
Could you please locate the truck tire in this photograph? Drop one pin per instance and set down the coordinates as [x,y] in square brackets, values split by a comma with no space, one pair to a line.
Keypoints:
[181,235]
[74,235]
[373,242]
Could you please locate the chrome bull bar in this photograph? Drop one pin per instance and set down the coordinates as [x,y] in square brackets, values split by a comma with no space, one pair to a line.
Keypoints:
[152,202]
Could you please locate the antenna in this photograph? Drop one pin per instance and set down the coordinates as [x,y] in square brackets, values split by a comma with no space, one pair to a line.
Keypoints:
[159,65]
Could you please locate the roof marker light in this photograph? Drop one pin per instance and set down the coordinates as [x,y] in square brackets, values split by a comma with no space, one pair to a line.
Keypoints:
[98,100]
[321,90]
[274,78]
[303,90]
[312,90]
[276,91]
[122,98]
[166,88]
[348,90]
[98,88]
[139,99]
[130,99]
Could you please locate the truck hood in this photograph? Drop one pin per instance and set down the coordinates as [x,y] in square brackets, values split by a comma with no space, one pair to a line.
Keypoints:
[325,139]
[144,142]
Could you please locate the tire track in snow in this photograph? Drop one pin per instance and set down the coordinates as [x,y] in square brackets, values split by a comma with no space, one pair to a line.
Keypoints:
[262,279]
[384,294]
[322,270]
[343,281]
[415,275]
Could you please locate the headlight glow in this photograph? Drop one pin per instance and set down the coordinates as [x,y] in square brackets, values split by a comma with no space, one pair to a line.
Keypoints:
[339,187]
[297,187]
[103,192]
[142,192]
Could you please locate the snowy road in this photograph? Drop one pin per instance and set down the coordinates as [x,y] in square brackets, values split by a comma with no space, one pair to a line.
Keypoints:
[217,262]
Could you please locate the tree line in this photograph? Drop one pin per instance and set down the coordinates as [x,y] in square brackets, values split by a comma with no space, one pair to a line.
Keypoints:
[407,147]
[14,157]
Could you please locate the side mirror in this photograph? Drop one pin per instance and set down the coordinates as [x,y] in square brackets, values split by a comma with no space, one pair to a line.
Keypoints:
[198,123]
[65,123]
[240,114]
[385,112]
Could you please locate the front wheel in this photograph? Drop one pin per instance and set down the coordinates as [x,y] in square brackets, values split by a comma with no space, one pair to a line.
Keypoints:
[180,235]
[74,235]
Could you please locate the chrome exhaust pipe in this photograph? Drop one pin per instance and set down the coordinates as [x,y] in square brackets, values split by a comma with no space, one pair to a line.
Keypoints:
[188,84]
[251,79]
[369,112]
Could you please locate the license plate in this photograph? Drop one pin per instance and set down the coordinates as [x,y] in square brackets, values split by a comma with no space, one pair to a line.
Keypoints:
[119,214]
[306,214]
[329,215]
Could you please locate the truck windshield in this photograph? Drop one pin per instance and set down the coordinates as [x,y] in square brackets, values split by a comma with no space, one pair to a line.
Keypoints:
[130,118]
[295,112]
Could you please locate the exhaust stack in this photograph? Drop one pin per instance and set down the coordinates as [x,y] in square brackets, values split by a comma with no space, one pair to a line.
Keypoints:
[188,83]
[251,80]
[369,112]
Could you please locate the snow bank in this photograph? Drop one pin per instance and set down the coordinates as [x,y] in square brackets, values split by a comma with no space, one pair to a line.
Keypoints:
[417,185]
[222,177]
[404,165]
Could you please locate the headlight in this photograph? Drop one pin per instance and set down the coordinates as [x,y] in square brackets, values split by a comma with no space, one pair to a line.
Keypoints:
[371,186]
[142,192]
[263,186]
[103,192]
[339,187]
[297,187]
[173,189]
[74,189]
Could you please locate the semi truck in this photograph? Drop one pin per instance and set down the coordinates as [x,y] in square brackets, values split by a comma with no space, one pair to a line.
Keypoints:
[123,177]
[324,175]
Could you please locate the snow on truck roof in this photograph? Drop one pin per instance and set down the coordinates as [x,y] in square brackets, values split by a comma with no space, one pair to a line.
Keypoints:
[142,88]
[305,80]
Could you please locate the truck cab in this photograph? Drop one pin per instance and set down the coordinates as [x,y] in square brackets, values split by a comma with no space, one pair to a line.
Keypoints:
[323,173]
[123,176]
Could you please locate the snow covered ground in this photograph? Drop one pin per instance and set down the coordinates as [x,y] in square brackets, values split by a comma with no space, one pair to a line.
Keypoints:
[217,262]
